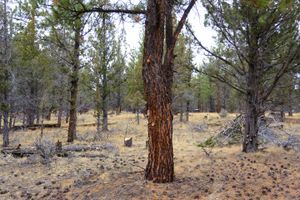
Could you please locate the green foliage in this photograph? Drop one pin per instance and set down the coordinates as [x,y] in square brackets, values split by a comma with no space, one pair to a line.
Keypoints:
[134,80]
[210,142]
[256,29]
[183,65]
[202,87]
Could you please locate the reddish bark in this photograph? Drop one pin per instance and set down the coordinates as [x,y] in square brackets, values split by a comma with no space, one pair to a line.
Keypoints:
[158,79]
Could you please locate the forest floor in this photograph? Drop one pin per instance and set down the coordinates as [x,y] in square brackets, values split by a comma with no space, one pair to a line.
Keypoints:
[116,172]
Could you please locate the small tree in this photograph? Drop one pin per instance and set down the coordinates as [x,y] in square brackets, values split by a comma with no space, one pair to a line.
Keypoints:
[134,97]
[5,61]
[103,56]
[183,75]
[258,45]
[67,34]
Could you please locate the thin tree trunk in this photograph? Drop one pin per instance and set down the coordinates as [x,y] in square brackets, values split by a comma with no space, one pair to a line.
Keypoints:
[24,119]
[199,107]
[218,104]
[11,114]
[181,112]
[42,126]
[10,119]
[138,116]
[225,97]
[38,116]
[30,117]
[104,102]
[187,111]
[290,102]
[5,129]
[104,81]
[6,115]
[67,116]
[73,107]
[104,117]
[4,63]
[119,106]
[14,121]
[282,114]
[48,116]
[74,87]
[0,123]
[59,116]
[98,122]
[98,106]
[290,108]
[211,104]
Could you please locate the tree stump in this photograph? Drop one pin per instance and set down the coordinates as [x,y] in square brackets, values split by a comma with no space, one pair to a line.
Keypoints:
[58,146]
[128,142]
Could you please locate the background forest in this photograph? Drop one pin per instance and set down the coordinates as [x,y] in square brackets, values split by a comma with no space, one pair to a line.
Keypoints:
[53,64]
[66,64]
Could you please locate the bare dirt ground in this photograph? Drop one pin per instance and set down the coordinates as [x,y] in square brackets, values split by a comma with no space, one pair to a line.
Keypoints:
[116,172]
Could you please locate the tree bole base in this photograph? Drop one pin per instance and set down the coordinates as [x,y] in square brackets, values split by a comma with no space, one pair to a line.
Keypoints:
[168,178]
[250,147]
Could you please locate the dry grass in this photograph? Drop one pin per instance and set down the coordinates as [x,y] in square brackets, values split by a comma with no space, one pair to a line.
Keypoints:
[117,173]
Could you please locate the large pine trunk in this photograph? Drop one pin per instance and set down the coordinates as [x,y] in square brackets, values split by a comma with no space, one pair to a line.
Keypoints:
[158,80]
[157,83]
[74,88]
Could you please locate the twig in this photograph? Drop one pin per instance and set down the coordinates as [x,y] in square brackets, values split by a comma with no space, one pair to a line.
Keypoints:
[206,152]
[137,166]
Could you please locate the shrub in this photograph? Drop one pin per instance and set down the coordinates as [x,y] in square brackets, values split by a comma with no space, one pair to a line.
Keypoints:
[223,113]
[45,148]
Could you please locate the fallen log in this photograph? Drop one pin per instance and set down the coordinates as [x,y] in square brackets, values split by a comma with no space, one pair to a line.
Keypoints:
[34,126]
[63,152]
[79,148]
[18,152]
[87,155]
[292,120]
[93,124]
